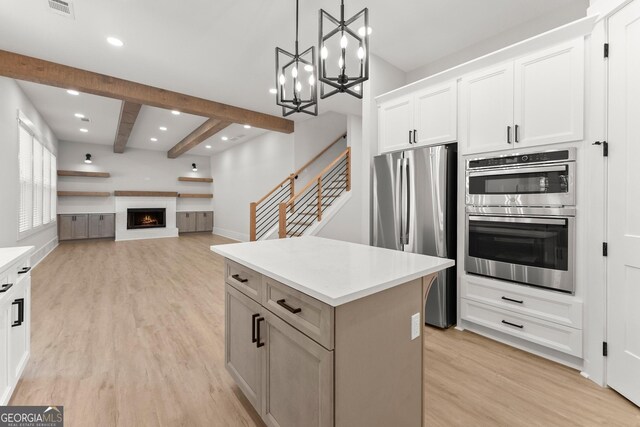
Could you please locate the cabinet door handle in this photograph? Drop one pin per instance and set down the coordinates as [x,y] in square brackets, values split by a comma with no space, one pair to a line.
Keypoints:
[415,132]
[410,136]
[6,287]
[24,270]
[515,133]
[258,343]
[508,134]
[512,324]
[20,303]
[282,303]
[240,279]
[253,328]
[513,300]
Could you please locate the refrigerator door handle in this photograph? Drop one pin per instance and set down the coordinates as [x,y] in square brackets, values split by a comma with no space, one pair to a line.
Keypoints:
[398,202]
[407,219]
[404,201]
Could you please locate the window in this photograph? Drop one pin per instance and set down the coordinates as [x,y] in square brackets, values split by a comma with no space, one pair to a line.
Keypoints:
[37,165]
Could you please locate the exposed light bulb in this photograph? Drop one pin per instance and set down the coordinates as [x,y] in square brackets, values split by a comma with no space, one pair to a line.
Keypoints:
[361,31]
[194,167]
[299,87]
[312,80]
[282,80]
[87,158]
[308,68]
[357,88]
[341,62]
[360,52]
[324,53]
[294,72]
[344,41]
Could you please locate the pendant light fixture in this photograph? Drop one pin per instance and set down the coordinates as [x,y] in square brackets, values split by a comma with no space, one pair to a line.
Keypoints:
[194,167]
[87,159]
[344,52]
[296,76]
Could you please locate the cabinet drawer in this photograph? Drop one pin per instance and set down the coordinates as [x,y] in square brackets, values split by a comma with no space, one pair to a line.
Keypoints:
[545,305]
[244,279]
[312,317]
[551,335]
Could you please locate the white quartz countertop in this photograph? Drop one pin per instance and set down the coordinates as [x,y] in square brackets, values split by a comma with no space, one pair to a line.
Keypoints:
[10,255]
[332,271]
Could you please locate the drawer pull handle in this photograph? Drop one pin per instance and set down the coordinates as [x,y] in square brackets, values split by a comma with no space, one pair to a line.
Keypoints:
[512,324]
[282,303]
[253,328]
[240,279]
[6,287]
[24,270]
[20,303]
[258,343]
[513,300]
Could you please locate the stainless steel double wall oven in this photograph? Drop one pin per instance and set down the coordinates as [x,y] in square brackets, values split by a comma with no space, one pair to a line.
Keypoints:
[520,218]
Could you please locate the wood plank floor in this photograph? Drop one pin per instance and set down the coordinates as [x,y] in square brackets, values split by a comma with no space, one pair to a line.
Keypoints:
[132,334]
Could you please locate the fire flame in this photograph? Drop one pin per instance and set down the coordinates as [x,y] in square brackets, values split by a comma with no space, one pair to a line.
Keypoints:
[148,220]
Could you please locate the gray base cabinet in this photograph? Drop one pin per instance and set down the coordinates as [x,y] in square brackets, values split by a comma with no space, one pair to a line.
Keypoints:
[189,222]
[86,226]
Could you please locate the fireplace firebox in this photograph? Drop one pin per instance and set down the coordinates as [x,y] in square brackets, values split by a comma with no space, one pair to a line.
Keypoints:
[146,218]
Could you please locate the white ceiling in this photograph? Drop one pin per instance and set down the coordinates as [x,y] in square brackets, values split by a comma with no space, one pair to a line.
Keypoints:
[224,50]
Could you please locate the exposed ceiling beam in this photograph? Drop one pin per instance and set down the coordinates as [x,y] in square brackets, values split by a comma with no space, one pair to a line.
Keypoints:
[205,131]
[36,70]
[128,115]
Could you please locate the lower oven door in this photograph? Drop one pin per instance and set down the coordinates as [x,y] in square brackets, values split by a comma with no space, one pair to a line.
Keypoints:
[534,250]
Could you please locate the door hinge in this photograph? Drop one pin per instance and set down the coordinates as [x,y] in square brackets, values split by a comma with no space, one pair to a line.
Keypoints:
[606,50]
[605,349]
[605,147]
[605,249]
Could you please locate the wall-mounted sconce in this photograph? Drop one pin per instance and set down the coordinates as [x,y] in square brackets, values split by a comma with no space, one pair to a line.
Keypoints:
[194,167]
[87,159]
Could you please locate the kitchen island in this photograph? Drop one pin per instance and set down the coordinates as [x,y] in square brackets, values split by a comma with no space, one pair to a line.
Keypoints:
[321,332]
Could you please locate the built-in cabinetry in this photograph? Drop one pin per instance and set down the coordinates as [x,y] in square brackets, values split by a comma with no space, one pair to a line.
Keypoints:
[15,320]
[425,117]
[188,222]
[86,226]
[533,100]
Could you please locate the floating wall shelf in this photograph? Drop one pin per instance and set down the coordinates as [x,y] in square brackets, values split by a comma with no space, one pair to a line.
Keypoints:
[83,194]
[195,196]
[145,193]
[86,174]
[190,179]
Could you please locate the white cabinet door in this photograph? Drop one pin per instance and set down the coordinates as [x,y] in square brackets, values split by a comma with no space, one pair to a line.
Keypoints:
[435,113]
[5,383]
[486,118]
[395,124]
[549,95]
[19,328]
[623,262]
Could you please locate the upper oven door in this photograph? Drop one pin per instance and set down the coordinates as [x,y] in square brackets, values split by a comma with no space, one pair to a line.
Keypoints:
[549,185]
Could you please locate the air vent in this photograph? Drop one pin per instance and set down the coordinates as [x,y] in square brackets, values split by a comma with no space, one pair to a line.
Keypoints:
[236,138]
[60,7]
[85,119]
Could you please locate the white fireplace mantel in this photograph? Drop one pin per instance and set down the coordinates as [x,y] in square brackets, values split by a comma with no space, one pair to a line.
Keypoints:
[124,203]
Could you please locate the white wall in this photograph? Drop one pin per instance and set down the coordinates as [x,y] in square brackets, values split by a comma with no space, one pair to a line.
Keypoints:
[243,174]
[563,15]
[135,169]
[13,99]
[384,78]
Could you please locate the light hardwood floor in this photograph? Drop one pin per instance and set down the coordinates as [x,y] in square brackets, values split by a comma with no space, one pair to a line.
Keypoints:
[132,334]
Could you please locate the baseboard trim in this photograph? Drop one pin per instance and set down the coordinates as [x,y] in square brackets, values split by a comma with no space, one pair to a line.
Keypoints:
[47,248]
[230,234]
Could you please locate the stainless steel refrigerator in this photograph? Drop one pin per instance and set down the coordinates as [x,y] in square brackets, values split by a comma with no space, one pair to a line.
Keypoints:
[414,209]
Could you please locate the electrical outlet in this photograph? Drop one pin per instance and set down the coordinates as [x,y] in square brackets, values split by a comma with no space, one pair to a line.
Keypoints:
[415,326]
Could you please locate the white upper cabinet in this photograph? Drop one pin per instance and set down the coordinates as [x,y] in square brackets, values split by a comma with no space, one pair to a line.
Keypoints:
[537,99]
[486,118]
[425,117]
[549,95]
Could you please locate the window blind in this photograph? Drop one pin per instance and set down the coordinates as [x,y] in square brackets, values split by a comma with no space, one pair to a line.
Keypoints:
[25,221]
[46,187]
[38,189]
[54,188]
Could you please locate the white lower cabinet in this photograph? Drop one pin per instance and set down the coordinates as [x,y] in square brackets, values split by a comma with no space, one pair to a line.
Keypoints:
[543,317]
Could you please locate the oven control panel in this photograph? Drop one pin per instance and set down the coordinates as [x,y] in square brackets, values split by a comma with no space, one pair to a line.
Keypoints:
[518,159]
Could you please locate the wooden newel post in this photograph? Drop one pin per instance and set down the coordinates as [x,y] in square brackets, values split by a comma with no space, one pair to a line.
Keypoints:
[319,199]
[252,221]
[348,168]
[282,229]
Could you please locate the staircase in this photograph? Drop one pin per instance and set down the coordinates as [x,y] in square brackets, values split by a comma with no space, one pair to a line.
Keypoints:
[293,214]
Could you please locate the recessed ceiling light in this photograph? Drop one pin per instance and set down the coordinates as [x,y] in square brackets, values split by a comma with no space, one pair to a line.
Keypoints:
[273,91]
[162,128]
[79,115]
[84,130]
[175,112]
[224,138]
[361,31]
[207,146]
[115,41]
[247,126]
[73,92]
[154,139]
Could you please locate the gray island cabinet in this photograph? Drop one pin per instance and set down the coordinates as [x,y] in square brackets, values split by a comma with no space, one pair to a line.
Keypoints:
[321,332]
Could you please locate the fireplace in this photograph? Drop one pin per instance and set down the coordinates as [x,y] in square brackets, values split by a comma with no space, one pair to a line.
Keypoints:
[146,218]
